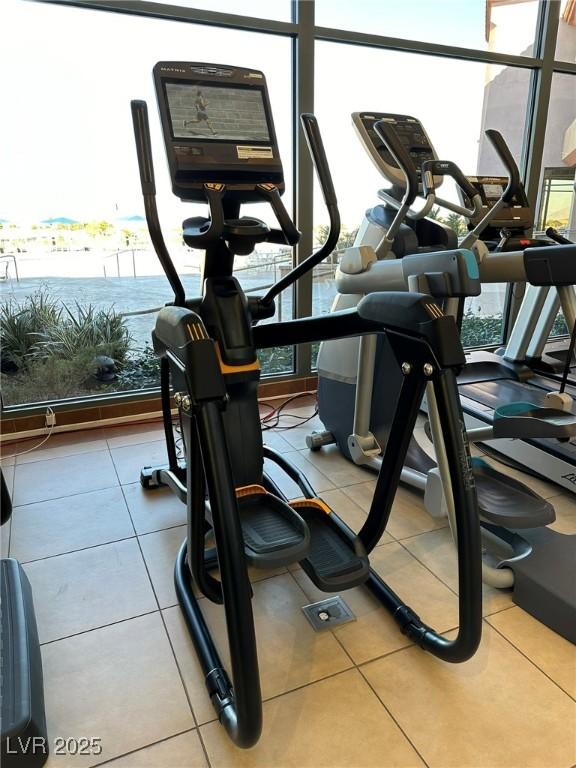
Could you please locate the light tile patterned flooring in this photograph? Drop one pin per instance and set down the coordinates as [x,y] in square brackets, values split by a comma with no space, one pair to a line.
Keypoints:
[118,663]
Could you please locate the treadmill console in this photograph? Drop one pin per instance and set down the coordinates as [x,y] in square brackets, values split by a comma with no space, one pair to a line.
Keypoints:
[515,215]
[218,129]
[412,135]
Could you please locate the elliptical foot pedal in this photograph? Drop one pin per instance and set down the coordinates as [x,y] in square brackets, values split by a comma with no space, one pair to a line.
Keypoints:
[334,562]
[507,502]
[23,732]
[274,533]
[525,420]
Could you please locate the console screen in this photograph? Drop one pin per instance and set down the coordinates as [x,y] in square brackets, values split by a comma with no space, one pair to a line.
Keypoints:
[492,191]
[410,134]
[207,112]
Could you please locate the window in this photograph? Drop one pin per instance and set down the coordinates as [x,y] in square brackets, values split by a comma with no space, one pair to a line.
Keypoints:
[71,206]
[71,215]
[261,9]
[557,206]
[566,40]
[556,199]
[504,26]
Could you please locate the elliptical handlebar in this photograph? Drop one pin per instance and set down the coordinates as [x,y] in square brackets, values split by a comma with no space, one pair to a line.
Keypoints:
[143,146]
[146,167]
[503,152]
[316,147]
[553,234]
[513,188]
[432,168]
[386,133]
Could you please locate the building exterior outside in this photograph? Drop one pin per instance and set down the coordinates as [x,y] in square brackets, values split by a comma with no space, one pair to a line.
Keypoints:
[505,95]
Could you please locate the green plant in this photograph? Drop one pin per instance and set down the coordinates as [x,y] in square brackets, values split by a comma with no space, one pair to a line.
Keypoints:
[48,349]
[140,371]
[99,331]
[21,324]
[49,379]
[559,328]
[480,331]
[346,239]
[456,223]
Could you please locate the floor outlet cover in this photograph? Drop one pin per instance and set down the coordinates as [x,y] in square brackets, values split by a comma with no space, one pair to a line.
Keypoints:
[328,613]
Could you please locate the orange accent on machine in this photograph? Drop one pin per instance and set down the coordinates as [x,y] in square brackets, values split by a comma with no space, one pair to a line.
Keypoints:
[249,490]
[318,503]
[228,369]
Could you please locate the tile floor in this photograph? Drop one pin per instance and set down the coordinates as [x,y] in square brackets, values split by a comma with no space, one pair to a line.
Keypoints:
[118,663]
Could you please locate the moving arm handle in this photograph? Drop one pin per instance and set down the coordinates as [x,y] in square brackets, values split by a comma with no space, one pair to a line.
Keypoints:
[431,168]
[287,232]
[557,237]
[503,152]
[387,133]
[316,147]
[146,168]
[143,146]
[214,194]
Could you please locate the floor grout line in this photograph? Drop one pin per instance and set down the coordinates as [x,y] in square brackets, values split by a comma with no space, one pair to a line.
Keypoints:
[99,627]
[532,662]
[359,670]
[146,746]
[354,666]
[170,643]
[65,456]
[68,496]
[74,551]
[402,731]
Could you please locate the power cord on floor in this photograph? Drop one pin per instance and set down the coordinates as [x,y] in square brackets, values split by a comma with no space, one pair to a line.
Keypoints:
[272,419]
[50,412]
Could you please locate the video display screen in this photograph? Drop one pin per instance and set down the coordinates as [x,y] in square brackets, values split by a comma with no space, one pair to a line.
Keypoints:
[208,112]
[493,191]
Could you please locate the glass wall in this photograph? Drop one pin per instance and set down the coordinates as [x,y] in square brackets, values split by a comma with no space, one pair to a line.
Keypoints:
[263,9]
[566,40]
[503,26]
[80,284]
[556,205]
[80,281]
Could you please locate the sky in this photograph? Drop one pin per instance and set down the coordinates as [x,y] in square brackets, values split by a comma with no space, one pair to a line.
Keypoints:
[66,141]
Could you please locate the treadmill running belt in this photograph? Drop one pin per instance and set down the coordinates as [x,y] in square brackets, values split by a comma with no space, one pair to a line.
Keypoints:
[543,382]
[495,393]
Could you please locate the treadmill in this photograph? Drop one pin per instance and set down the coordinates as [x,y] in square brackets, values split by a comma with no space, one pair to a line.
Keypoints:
[492,383]
[528,342]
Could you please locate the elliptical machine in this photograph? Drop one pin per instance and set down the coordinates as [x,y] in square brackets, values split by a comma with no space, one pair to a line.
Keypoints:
[526,555]
[207,347]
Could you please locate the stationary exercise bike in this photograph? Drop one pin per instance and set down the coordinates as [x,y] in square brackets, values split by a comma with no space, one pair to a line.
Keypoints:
[207,347]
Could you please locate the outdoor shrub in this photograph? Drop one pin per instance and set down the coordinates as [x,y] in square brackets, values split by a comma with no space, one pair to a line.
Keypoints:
[559,328]
[140,371]
[49,379]
[99,331]
[479,331]
[48,349]
[22,324]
